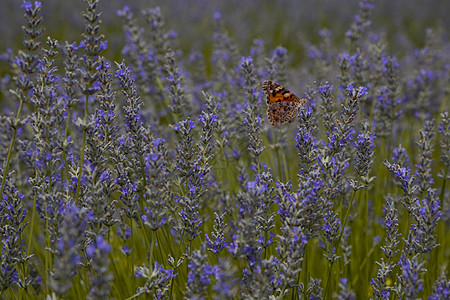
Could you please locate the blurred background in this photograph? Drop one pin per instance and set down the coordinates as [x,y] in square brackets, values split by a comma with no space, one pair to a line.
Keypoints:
[290,23]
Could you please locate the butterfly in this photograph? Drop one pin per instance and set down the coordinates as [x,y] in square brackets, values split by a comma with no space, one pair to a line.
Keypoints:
[282,105]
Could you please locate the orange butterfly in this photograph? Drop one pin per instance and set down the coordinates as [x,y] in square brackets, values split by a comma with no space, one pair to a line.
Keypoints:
[282,105]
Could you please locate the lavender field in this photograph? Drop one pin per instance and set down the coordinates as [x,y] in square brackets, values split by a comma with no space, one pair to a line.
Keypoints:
[137,159]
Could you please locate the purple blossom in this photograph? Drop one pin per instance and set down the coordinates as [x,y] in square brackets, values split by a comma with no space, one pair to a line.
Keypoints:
[411,268]
[99,247]
[400,156]
[326,89]
[364,155]
[441,288]
[158,141]
[172,152]
[199,275]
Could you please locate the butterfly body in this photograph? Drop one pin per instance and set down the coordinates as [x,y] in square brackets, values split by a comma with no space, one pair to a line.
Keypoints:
[282,105]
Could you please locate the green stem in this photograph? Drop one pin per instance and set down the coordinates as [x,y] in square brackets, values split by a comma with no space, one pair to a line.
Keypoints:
[152,247]
[158,242]
[265,248]
[365,269]
[144,182]
[277,151]
[143,229]
[258,164]
[83,146]
[33,217]
[116,271]
[47,253]
[328,280]
[171,285]
[339,239]
[345,220]
[23,266]
[11,146]
[441,196]
[227,166]
[305,271]
[441,228]
[132,257]
[286,169]
[66,135]
[363,264]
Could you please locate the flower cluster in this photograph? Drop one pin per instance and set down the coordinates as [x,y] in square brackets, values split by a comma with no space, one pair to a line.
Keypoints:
[144,165]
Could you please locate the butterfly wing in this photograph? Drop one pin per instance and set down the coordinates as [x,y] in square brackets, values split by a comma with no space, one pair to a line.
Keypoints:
[282,105]
[275,92]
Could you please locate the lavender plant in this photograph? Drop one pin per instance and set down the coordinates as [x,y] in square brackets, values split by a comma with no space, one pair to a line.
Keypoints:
[386,266]
[159,176]
[25,65]
[92,45]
